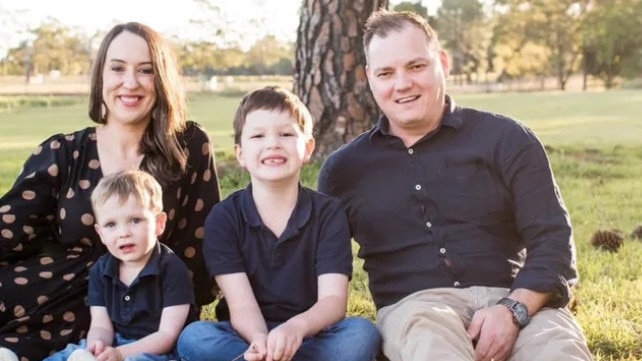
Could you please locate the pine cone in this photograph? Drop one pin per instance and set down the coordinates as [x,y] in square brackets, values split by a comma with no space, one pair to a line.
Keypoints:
[637,232]
[607,240]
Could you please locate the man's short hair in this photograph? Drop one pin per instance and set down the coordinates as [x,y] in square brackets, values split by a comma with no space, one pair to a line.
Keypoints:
[382,22]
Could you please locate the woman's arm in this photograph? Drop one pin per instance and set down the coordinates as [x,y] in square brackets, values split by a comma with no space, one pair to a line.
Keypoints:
[27,210]
[199,192]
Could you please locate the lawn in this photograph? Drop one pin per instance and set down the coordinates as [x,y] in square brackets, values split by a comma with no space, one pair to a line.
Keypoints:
[595,148]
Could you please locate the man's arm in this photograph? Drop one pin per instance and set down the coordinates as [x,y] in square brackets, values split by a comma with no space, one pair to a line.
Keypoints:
[541,219]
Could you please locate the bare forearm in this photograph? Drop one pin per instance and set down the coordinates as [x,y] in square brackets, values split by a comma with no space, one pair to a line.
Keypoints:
[99,334]
[534,301]
[157,343]
[249,323]
[325,312]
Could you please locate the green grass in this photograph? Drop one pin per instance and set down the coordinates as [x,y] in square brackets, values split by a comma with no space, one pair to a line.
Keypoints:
[595,151]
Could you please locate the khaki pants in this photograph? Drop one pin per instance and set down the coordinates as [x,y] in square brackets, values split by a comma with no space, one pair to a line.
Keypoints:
[431,325]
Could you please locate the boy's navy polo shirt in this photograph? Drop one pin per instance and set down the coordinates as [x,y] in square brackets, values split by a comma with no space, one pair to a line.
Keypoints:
[135,310]
[282,271]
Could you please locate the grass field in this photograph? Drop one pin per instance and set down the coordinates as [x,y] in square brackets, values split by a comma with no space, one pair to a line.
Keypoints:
[596,152]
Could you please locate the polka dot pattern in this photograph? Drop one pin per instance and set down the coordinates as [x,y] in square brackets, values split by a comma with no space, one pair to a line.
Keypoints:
[63,171]
[199,205]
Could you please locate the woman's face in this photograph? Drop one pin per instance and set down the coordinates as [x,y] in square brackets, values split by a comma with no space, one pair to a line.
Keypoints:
[128,81]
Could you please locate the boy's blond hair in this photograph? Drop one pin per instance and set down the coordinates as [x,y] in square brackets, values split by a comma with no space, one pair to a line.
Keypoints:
[128,183]
[272,98]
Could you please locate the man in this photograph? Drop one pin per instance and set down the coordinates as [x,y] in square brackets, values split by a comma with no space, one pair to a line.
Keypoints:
[466,240]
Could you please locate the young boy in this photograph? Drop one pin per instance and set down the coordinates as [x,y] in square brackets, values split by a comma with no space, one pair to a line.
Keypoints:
[280,252]
[140,293]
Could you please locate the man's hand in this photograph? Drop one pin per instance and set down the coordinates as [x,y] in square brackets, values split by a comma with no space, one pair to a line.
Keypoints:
[495,332]
[284,341]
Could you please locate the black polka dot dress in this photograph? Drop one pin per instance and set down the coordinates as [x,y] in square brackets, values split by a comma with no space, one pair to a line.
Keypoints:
[48,241]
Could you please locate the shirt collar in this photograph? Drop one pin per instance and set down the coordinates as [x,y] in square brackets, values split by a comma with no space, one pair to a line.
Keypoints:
[298,219]
[151,268]
[450,118]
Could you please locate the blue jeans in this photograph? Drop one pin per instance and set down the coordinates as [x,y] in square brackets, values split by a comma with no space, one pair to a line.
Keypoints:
[118,341]
[351,339]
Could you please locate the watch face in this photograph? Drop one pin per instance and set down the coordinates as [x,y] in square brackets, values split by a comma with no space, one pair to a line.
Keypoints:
[521,314]
[519,310]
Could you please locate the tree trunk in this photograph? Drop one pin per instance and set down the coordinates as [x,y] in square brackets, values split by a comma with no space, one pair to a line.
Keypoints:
[329,74]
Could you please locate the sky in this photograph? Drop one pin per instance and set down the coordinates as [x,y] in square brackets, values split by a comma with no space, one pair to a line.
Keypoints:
[250,18]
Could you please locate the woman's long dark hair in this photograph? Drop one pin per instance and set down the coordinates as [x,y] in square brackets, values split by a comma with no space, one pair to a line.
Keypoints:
[164,156]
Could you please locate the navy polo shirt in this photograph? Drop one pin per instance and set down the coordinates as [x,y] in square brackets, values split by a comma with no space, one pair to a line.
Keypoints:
[135,310]
[283,270]
[459,208]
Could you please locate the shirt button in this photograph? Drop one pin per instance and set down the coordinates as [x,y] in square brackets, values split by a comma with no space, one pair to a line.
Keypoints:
[418,187]
[456,284]
[410,151]
[127,298]
[442,250]
[428,224]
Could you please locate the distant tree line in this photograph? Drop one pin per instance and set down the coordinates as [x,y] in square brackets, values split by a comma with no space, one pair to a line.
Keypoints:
[488,41]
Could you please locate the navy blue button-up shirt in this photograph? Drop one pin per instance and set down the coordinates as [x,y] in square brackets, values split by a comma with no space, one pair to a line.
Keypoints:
[135,310]
[462,207]
[283,271]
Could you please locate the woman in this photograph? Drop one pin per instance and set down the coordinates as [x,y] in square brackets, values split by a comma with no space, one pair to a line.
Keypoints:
[47,236]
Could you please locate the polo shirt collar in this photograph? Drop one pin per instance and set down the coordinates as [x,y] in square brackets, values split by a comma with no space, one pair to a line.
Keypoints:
[151,268]
[451,118]
[298,219]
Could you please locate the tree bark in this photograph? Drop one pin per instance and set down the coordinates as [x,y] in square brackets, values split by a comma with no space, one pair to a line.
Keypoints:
[329,74]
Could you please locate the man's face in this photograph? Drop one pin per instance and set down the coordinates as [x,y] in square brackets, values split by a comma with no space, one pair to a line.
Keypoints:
[407,77]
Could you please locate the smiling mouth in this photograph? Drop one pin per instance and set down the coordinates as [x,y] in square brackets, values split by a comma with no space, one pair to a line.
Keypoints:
[405,100]
[273,161]
[129,99]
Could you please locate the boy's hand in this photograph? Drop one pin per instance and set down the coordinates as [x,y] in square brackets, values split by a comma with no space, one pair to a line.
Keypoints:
[110,354]
[283,342]
[256,351]
[96,348]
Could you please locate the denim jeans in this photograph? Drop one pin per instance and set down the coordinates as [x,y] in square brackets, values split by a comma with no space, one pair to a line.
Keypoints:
[118,341]
[351,339]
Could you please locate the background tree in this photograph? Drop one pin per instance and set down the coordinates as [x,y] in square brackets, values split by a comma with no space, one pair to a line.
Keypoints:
[58,47]
[610,48]
[465,31]
[552,24]
[330,72]
[415,7]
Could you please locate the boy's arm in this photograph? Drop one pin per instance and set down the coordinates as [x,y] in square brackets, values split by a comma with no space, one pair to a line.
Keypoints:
[245,314]
[162,341]
[329,309]
[101,330]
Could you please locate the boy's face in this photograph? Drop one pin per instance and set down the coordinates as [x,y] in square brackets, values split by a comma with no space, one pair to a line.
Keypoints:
[273,147]
[129,229]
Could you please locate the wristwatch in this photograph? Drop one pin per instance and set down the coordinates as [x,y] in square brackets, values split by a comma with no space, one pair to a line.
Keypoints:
[519,310]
